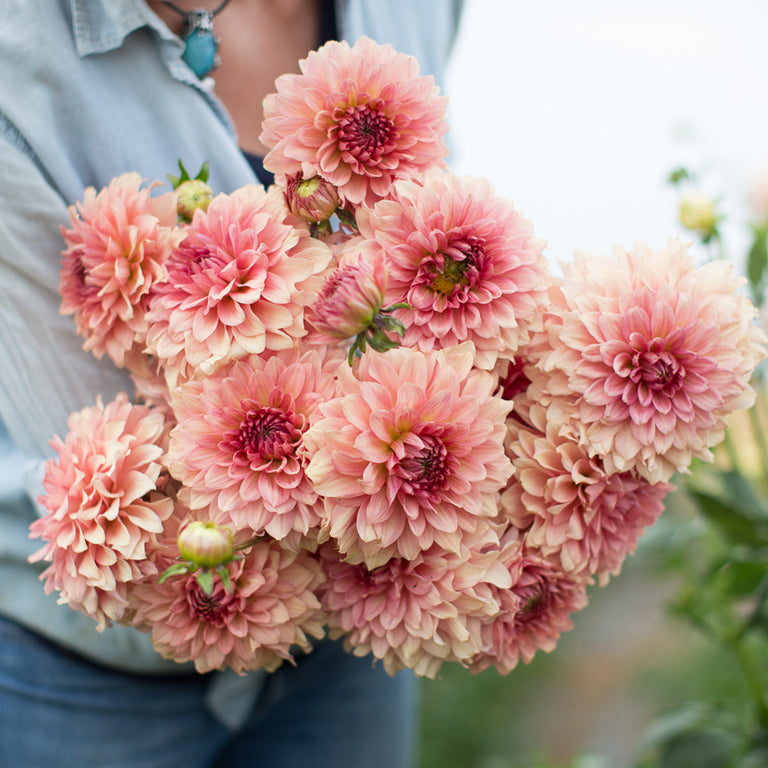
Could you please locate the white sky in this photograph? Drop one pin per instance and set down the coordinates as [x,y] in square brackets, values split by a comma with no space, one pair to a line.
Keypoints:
[577,110]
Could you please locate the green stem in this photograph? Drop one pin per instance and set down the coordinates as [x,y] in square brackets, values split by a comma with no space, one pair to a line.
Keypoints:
[753,677]
[762,445]
[730,449]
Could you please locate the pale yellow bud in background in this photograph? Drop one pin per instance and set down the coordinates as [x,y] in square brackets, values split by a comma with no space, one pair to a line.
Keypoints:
[698,213]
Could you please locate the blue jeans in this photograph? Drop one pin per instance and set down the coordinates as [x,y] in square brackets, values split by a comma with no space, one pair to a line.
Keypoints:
[332,710]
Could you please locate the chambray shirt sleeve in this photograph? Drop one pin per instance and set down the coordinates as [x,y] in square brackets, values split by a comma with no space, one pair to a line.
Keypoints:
[44,372]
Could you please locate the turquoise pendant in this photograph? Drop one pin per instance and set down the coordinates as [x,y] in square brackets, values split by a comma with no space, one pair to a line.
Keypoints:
[200,43]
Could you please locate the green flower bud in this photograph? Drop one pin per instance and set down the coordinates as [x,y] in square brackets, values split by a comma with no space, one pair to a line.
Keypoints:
[191,195]
[206,544]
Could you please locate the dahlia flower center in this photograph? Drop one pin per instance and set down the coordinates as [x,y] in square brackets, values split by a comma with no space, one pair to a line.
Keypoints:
[267,433]
[79,272]
[426,469]
[460,271]
[535,604]
[366,133]
[659,371]
[215,608]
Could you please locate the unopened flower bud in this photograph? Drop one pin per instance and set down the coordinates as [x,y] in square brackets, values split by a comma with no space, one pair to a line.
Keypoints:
[206,544]
[312,200]
[697,213]
[191,195]
[350,299]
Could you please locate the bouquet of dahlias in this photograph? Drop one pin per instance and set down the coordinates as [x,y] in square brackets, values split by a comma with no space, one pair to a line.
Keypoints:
[364,407]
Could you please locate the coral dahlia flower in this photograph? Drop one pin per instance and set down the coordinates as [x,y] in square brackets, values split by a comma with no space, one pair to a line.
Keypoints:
[464,259]
[102,507]
[116,248]
[359,117]
[411,454]
[535,610]
[269,608]
[658,352]
[237,284]
[572,511]
[415,613]
[238,443]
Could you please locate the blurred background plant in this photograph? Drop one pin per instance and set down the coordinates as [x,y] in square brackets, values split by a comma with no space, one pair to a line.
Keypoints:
[668,666]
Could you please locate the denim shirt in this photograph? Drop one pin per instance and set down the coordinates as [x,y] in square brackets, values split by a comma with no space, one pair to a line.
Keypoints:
[92,89]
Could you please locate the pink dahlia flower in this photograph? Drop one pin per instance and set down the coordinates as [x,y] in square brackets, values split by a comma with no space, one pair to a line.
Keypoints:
[238,444]
[658,352]
[535,610]
[237,284]
[102,507]
[574,513]
[268,610]
[117,246]
[411,454]
[464,259]
[360,117]
[414,613]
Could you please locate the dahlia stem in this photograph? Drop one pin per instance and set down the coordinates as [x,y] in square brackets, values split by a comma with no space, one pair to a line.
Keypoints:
[248,543]
[759,435]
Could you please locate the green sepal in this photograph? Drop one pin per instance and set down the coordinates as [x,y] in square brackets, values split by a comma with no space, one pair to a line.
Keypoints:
[202,175]
[224,576]
[205,580]
[175,569]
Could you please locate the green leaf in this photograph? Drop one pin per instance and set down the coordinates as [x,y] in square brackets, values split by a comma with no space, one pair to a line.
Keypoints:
[757,261]
[704,747]
[729,501]
[741,577]
[678,175]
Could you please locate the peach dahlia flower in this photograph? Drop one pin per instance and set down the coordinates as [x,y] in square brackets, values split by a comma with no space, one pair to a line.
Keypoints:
[409,455]
[102,507]
[572,512]
[535,610]
[359,117]
[237,284]
[238,443]
[117,244]
[464,259]
[658,352]
[415,613]
[268,611]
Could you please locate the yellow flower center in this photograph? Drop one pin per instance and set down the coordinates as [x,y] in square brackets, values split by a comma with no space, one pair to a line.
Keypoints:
[452,275]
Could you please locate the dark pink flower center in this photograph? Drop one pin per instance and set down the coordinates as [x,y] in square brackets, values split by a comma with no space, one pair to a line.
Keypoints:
[215,608]
[656,370]
[425,469]
[365,133]
[265,434]
[535,603]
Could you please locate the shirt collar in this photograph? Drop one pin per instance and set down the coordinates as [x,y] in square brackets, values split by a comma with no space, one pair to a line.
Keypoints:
[102,25]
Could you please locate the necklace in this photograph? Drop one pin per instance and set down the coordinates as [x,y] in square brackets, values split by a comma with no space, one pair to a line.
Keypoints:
[201,46]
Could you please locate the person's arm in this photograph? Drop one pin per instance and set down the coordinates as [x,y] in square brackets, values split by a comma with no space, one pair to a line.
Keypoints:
[44,373]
